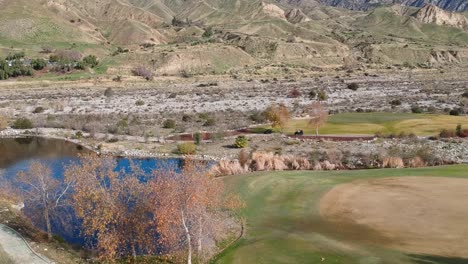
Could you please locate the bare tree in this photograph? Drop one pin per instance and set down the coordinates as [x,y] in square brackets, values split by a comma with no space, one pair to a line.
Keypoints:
[113,207]
[278,115]
[42,191]
[318,116]
[189,208]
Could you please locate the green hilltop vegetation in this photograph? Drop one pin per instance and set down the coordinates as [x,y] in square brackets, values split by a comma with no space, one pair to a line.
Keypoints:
[228,37]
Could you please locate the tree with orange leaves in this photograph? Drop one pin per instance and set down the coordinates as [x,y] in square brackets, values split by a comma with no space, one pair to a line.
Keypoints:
[190,208]
[278,115]
[112,206]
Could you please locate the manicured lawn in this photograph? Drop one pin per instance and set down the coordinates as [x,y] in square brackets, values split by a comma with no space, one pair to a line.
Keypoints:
[283,223]
[386,123]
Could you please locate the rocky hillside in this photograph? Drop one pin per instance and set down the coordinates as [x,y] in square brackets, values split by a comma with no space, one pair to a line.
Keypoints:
[451,5]
[433,14]
[190,37]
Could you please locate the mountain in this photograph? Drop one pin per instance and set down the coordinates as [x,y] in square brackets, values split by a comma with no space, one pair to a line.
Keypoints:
[451,5]
[433,14]
[234,36]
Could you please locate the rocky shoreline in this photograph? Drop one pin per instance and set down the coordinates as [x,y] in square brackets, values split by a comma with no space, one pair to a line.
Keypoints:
[446,150]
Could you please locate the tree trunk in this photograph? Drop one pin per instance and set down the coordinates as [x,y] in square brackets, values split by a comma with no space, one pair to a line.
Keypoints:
[134,254]
[47,220]
[189,239]
[200,233]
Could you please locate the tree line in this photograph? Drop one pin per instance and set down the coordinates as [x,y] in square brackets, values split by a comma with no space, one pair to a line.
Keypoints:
[15,65]
[181,213]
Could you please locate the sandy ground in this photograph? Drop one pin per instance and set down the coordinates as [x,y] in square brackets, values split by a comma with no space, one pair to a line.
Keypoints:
[421,215]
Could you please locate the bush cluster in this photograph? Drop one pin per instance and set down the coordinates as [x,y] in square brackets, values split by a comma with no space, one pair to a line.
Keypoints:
[187,148]
[16,69]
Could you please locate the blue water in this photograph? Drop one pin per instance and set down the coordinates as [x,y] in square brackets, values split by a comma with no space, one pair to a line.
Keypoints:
[57,155]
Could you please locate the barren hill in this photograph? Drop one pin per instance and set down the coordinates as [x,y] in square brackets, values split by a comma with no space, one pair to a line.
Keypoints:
[239,37]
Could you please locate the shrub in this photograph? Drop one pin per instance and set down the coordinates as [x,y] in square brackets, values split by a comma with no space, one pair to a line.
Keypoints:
[210,122]
[244,157]
[312,94]
[186,118]
[258,117]
[169,123]
[139,103]
[91,61]
[187,148]
[197,138]
[416,109]
[465,94]
[454,112]
[78,134]
[22,123]
[109,92]
[185,74]
[39,110]
[395,102]
[353,86]
[47,49]
[80,65]
[16,56]
[67,55]
[322,95]
[445,133]
[143,72]
[294,93]
[3,122]
[241,142]
[393,162]
[38,64]
[208,33]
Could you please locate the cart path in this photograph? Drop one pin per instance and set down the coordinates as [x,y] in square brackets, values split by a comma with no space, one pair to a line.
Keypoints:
[17,248]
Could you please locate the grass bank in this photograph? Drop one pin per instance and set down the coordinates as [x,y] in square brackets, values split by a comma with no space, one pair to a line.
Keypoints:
[283,223]
[386,123]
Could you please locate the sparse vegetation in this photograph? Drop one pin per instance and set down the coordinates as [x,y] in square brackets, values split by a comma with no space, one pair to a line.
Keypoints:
[322,95]
[22,123]
[39,110]
[91,61]
[169,124]
[416,109]
[144,72]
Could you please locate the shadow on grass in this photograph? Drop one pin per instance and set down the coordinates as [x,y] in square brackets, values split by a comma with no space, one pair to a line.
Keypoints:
[424,259]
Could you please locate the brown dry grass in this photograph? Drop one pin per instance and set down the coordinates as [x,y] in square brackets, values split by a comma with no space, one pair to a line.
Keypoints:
[393,162]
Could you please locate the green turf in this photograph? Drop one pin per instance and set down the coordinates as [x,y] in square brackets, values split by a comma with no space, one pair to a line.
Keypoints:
[386,123]
[283,223]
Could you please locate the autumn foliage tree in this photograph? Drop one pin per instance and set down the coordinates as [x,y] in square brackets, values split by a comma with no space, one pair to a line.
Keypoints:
[278,115]
[190,208]
[112,206]
[318,116]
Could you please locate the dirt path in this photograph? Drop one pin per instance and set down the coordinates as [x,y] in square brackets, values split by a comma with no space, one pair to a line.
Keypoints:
[17,249]
[422,215]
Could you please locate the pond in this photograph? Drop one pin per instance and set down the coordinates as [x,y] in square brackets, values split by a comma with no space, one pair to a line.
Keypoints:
[16,154]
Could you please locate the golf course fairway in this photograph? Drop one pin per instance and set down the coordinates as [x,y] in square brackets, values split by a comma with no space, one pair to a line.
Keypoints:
[286,220]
